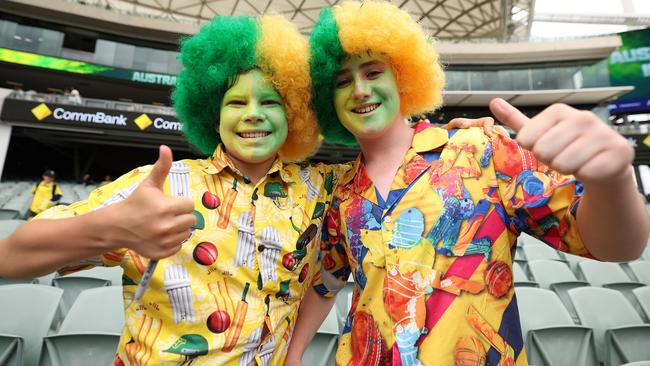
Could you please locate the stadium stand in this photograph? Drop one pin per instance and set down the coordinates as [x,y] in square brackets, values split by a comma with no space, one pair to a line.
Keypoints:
[621,336]
[90,332]
[26,313]
[547,326]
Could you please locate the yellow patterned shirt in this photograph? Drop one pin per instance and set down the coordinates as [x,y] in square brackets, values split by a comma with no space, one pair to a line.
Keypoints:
[432,261]
[230,296]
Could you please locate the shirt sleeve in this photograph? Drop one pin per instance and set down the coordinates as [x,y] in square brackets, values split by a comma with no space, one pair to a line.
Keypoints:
[537,200]
[98,198]
[335,268]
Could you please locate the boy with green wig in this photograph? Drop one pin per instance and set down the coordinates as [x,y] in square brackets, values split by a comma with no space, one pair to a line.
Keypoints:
[236,235]
[427,219]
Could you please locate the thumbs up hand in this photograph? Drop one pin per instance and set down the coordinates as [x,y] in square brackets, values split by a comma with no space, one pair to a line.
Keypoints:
[150,222]
[569,141]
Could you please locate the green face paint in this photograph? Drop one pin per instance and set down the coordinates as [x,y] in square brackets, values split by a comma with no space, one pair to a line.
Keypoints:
[253,124]
[366,96]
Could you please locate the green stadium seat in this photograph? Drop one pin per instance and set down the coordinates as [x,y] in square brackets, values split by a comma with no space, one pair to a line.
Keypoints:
[621,336]
[641,270]
[26,313]
[556,276]
[642,295]
[90,332]
[520,277]
[547,326]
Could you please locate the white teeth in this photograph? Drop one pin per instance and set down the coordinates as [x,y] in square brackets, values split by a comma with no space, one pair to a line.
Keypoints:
[250,135]
[366,109]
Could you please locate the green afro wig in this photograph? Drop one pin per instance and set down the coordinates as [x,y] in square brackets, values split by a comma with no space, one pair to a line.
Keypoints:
[228,46]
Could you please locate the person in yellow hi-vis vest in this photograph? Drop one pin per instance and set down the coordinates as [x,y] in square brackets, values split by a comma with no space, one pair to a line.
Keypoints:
[46,194]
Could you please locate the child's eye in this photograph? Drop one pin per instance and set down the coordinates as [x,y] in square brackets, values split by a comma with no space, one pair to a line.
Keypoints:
[270,102]
[373,74]
[236,102]
[342,83]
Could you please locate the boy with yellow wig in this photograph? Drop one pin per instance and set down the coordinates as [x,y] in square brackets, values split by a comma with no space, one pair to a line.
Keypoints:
[238,238]
[427,220]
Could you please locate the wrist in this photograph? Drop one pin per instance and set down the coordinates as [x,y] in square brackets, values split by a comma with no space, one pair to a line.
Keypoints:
[614,183]
[107,227]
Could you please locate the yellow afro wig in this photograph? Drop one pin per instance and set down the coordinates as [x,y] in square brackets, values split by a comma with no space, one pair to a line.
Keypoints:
[355,28]
[228,46]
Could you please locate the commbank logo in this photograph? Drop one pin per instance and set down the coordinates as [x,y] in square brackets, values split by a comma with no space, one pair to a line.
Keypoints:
[143,121]
[41,112]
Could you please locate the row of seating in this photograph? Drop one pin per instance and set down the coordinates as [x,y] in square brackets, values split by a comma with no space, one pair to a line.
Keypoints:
[16,196]
[611,332]
[89,334]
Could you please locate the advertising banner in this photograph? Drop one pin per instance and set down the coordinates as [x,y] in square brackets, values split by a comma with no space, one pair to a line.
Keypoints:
[81,67]
[630,65]
[52,114]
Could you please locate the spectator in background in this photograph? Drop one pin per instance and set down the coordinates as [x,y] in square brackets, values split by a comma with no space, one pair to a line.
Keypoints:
[46,194]
[19,93]
[107,179]
[74,96]
[87,180]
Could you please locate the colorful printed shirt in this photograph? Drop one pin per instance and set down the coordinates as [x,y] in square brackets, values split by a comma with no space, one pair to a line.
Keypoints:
[230,296]
[432,261]
[46,195]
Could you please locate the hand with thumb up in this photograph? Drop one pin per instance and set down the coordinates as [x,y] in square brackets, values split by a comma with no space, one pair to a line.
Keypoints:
[150,222]
[569,141]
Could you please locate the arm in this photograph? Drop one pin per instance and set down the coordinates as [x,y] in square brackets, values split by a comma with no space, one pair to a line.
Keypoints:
[313,310]
[611,217]
[148,222]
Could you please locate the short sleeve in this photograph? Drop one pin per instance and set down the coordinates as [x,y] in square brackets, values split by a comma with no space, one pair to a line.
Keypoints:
[335,268]
[98,198]
[538,200]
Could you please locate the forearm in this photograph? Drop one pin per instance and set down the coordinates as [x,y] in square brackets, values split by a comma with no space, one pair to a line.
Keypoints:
[43,246]
[313,310]
[612,219]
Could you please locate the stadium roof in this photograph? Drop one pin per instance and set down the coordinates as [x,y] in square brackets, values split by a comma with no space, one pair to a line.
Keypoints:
[445,19]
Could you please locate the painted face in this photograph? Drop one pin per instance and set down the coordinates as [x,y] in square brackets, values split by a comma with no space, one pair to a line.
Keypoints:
[253,125]
[366,96]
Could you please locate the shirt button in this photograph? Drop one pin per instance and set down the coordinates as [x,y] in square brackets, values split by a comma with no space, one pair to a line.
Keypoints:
[387,219]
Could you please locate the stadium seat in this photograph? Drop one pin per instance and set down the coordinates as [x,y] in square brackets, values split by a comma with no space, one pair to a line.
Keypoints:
[641,270]
[519,254]
[342,304]
[637,363]
[17,281]
[26,312]
[112,274]
[9,226]
[322,349]
[90,332]
[602,273]
[620,333]
[574,264]
[547,326]
[556,276]
[520,277]
[542,252]
[609,275]
[642,295]
[72,287]
[7,214]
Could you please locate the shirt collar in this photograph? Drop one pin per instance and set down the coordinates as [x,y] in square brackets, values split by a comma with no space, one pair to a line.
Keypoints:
[220,160]
[427,138]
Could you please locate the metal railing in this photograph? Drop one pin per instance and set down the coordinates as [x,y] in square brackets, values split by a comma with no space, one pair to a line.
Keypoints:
[91,102]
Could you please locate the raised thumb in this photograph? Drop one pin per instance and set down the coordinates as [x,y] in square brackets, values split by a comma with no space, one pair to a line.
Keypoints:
[160,169]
